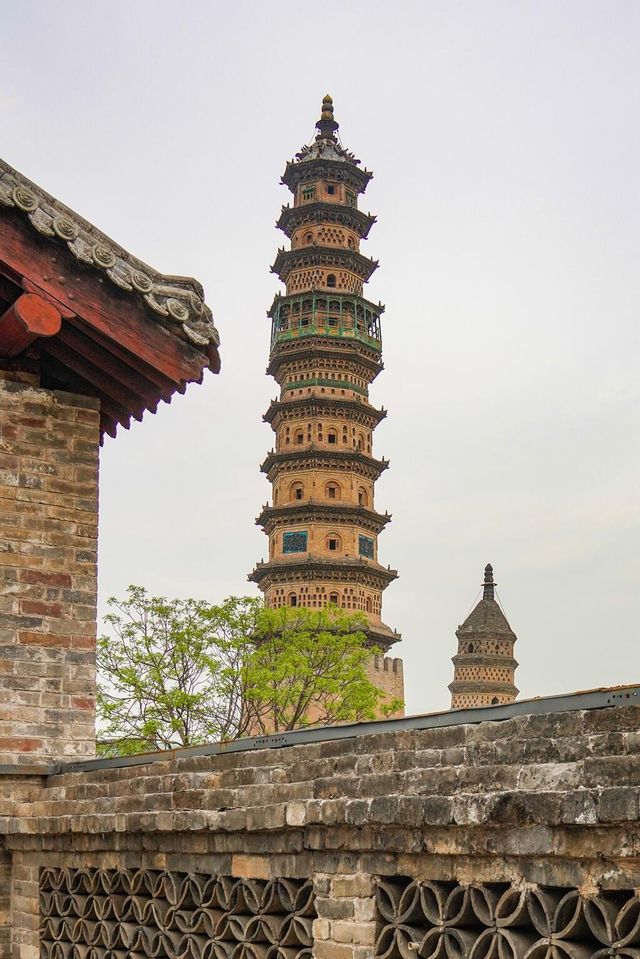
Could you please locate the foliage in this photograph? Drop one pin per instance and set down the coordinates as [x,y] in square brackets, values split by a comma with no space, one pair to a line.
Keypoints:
[182,672]
[309,666]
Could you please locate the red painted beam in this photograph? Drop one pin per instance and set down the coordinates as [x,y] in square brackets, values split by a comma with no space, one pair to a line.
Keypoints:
[102,306]
[27,319]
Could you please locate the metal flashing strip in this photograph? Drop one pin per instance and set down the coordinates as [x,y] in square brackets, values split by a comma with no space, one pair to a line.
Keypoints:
[566,702]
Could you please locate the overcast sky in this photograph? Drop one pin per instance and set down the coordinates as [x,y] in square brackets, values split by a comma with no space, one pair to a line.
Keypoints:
[504,141]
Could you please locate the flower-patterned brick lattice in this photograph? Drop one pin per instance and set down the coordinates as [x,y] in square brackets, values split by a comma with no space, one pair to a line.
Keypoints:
[294,542]
[447,920]
[108,913]
[365,546]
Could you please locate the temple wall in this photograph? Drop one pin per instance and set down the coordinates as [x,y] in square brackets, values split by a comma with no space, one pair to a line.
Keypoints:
[494,816]
[49,444]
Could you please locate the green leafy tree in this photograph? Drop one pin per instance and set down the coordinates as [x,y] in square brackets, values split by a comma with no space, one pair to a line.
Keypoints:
[170,672]
[182,672]
[309,667]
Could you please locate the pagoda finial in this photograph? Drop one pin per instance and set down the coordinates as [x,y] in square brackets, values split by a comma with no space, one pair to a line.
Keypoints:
[489,584]
[326,125]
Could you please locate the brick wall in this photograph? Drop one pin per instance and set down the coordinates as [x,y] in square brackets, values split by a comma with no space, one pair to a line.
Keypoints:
[49,445]
[535,802]
[386,672]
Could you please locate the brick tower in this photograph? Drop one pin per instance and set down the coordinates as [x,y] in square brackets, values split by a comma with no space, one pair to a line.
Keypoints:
[325,351]
[484,666]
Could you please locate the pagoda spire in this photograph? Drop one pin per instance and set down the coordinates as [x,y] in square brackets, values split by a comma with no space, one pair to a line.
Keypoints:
[327,125]
[489,585]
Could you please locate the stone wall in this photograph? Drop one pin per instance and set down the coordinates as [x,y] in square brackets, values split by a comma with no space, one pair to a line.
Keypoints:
[532,806]
[49,445]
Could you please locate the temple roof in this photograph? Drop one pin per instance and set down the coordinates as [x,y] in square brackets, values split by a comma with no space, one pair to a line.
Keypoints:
[93,318]
[487,616]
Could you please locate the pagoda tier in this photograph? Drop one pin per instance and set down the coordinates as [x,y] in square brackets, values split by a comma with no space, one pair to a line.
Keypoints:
[326,345]
[289,355]
[316,458]
[272,517]
[325,161]
[292,218]
[318,256]
[315,406]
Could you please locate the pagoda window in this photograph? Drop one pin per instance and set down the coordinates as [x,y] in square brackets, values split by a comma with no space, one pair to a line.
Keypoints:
[362,497]
[367,604]
[332,490]
[332,436]
[309,238]
[350,244]
[331,189]
[293,599]
[331,279]
[334,598]
[308,192]
[296,491]
[351,198]
[332,321]
[333,543]
[299,437]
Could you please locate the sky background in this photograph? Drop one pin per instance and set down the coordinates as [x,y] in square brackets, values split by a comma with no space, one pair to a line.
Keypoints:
[504,139]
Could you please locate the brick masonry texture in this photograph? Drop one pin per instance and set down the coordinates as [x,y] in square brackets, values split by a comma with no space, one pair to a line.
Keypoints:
[547,800]
[49,445]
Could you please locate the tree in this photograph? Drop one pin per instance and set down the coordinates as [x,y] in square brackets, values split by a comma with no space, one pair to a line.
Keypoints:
[309,667]
[182,672]
[170,674]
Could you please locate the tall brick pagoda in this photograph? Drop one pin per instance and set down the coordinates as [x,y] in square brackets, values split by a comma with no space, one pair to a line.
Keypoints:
[325,351]
[484,667]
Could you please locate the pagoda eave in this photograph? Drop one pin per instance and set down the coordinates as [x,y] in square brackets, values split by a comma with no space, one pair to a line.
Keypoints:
[337,257]
[314,457]
[348,569]
[293,217]
[316,405]
[272,517]
[479,659]
[342,171]
[473,687]
[316,347]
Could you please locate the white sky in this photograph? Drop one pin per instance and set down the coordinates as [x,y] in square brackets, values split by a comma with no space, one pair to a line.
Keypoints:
[505,146]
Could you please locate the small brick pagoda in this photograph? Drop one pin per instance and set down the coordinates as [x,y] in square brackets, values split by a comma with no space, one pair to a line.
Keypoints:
[484,666]
[89,337]
[325,352]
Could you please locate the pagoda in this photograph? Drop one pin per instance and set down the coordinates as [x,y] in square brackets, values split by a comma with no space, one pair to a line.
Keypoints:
[325,352]
[484,667]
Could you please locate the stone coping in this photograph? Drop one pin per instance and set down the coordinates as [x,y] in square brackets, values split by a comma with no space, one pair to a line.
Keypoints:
[599,698]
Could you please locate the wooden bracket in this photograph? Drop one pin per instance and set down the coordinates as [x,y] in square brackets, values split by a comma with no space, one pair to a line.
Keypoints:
[27,319]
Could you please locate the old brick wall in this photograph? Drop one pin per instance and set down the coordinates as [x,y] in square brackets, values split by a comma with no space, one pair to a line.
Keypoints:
[530,802]
[49,445]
